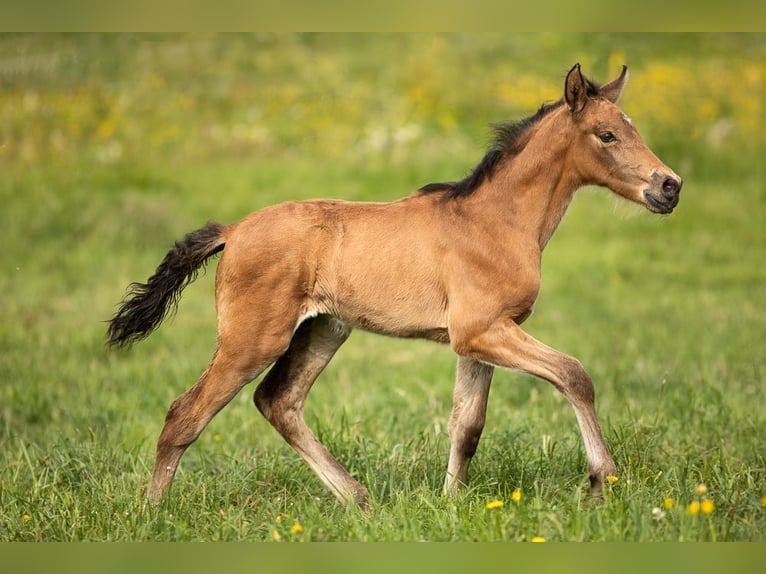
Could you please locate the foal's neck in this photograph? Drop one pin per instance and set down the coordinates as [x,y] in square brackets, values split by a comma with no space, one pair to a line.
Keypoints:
[534,188]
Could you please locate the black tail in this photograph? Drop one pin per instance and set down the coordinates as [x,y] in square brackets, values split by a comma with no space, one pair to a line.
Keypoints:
[146,304]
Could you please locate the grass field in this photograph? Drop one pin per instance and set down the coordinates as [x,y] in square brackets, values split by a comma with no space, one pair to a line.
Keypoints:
[115,146]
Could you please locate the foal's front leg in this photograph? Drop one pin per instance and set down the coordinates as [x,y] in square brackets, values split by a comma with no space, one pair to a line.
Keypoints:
[469,409]
[504,344]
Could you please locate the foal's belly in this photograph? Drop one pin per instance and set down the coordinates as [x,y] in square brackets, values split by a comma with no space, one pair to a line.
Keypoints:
[393,319]
[435,334]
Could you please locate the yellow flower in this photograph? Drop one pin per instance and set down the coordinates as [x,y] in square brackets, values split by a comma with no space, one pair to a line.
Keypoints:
[537,539]
[693,508]
[516,495]
[296,528]
[495,504]
[700,489]
[26,518]
[763,501]
[276,535]
[707,506]
[216,437]
[611,479]
[668,503]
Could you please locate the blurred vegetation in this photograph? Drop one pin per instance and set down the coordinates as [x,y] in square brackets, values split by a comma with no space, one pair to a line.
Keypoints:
[182,98]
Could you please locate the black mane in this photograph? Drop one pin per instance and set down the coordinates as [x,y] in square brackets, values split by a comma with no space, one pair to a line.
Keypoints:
[506,136]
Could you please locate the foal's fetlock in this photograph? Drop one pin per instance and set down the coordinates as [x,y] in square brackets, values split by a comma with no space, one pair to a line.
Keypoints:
[608,474]
[362,499]
[155,493]
[353,494]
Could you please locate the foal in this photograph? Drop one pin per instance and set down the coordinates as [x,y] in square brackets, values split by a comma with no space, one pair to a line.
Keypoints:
[457,263]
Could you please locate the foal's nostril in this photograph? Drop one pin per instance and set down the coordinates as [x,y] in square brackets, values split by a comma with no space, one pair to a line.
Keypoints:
[670,188]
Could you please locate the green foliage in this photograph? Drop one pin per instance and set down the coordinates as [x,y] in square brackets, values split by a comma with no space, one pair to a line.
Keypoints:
[114,146]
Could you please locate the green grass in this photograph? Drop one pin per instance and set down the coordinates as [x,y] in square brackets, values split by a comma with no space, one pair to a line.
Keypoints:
[666,313]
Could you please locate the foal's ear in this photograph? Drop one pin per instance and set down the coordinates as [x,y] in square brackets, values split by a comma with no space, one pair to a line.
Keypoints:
[613,89]
[575,90]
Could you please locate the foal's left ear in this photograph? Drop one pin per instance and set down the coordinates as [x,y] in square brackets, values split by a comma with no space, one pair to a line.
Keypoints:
[613,89]
[575,90]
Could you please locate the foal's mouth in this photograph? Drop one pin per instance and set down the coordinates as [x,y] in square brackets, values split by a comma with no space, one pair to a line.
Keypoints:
[660,204]
[668,192]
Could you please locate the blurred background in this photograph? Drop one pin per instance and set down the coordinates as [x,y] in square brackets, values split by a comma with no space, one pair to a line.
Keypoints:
[112,146]
[120,98]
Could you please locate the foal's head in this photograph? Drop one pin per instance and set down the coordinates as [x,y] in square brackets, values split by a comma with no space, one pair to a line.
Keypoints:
[607,149]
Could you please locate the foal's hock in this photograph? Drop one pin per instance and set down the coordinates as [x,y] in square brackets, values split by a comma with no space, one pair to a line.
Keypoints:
[457,263]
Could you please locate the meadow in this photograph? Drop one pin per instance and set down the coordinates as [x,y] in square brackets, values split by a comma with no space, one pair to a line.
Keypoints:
[114,146]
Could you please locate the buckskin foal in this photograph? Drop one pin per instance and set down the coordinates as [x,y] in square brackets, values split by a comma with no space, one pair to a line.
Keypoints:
[457,263]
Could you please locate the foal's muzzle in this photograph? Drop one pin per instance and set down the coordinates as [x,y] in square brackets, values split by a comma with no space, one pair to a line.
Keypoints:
[664,194]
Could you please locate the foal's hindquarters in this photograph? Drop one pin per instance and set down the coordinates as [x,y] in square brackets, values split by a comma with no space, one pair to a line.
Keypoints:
[266,315]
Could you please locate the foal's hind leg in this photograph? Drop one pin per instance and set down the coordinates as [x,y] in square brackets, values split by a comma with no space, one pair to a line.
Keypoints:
[469,410]
[189,415]
[282,394]
[240,358]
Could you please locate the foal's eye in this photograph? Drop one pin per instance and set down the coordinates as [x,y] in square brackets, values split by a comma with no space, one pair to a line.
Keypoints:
[607,137]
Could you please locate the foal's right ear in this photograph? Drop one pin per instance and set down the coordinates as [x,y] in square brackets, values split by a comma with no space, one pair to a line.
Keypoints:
[575,90]
[613,89]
